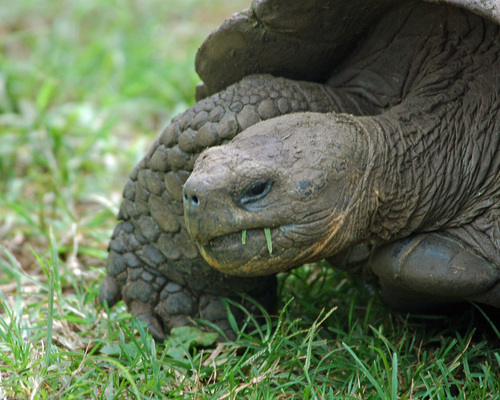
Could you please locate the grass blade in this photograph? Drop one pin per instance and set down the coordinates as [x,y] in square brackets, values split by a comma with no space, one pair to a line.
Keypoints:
[370,377]
[269,241]
[394,378]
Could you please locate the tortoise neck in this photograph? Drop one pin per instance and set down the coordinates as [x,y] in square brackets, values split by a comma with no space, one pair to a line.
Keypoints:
[432,154]
[431,159]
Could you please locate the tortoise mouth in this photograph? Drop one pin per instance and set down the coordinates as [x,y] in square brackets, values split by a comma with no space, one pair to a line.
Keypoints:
[239,252]
[241,238]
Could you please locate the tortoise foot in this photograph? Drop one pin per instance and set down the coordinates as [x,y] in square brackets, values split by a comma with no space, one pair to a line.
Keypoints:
[426,270]
[180,306]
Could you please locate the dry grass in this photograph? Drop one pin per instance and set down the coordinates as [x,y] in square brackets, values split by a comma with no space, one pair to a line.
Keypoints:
[85,86]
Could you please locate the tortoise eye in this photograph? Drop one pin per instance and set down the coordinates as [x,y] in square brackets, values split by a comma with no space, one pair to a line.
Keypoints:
[256,191]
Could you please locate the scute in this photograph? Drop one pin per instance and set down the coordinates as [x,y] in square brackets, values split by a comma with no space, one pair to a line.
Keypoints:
[296,39]
[394,115]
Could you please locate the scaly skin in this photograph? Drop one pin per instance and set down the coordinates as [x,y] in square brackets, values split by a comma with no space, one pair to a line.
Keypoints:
[153,265]
[424,169]
[429,121]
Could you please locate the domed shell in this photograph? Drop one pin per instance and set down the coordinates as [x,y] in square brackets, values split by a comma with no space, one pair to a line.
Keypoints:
[296,39]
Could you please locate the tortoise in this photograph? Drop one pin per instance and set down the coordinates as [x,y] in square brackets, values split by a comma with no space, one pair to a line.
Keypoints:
[363,132]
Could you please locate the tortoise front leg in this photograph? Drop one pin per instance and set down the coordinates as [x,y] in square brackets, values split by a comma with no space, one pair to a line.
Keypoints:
[153,265]
[425,270]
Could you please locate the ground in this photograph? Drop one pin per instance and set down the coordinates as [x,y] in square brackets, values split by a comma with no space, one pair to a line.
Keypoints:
[85,87]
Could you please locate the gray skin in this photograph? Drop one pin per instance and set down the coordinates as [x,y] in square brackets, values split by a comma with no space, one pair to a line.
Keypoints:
[376,147]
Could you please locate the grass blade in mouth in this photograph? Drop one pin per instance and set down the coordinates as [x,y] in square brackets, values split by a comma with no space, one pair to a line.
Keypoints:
[267,232]
[243,236]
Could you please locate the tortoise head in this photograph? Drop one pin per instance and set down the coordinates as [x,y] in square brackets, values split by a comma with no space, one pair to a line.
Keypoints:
[282,193]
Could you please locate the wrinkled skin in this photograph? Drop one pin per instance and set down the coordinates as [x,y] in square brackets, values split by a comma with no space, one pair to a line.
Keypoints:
[391,168]
[248,185]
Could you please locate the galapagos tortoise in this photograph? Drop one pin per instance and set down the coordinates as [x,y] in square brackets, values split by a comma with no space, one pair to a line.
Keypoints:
[370,137]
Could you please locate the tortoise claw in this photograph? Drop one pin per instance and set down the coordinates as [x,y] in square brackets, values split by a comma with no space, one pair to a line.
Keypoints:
[145,313]
[110,291]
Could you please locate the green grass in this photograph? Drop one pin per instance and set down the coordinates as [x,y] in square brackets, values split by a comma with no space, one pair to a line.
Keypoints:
[85,87]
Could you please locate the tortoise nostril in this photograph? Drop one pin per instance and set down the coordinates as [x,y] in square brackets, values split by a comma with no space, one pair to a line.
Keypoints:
[191,197]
